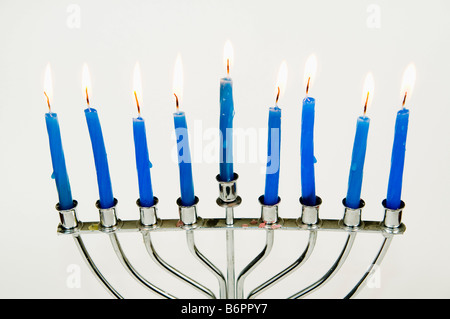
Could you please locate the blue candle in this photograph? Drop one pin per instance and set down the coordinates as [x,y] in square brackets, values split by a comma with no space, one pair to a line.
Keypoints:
[355,178]
[184,159]
[226,129]
[100,158]
[307,152]
[143,163]
[273,157]
[357,165]
[393,198]
[58,162]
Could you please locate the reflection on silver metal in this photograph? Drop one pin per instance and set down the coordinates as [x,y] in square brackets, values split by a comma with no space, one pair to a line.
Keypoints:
[205,261]
[188,214]
[172,270]
[227,190]
[331,272]
[132,271]
[352,216]
[149,215]
[68,217]
[255,262]
[269,213]
[108,216]
[310,214]
[90,263]
[290,269]
[393,217]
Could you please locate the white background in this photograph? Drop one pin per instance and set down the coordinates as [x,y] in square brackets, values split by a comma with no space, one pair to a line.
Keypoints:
[349,39]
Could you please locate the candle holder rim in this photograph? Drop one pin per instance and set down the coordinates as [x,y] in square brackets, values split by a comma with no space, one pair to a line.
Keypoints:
[75,204]
[261,201]
[235,177]
[362,203]
[97,204]
[402,206]
[155,202]
[180,204]
[318,202]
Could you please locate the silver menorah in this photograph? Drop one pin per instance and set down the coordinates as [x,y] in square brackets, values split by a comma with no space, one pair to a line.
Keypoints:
[269,221]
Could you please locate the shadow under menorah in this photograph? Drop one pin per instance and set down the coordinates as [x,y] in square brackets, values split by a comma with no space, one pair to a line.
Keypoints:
[230,285]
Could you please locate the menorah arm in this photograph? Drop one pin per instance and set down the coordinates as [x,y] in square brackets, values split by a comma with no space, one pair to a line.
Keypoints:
[255,262]
[82,248]
[331,272]
[199,256]
[376,262]
[288,270]
[129,267]
[161,262]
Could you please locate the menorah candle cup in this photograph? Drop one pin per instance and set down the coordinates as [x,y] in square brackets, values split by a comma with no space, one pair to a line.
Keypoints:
[352,216]
[227,190]
[392,217]
[68,217]
[310,214]
[269,213]
[108,216]
[148,215]
[188,214]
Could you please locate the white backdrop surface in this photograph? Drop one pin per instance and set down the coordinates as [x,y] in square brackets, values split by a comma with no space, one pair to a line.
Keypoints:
[349,38]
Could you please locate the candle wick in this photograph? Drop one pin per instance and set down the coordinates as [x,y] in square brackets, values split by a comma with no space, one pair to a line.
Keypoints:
[228,66]
[137,103]
[404,100]
[48,102]
[176,99]
[365,104]
[307,85]
[278,96]
[87,98]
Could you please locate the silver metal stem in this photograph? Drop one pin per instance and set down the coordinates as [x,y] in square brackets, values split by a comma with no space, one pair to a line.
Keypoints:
[255,262]
[290,269]
[331,272]
[154,255]
[80,244]
[231,280]
[199,256]
[129,267]
[375,264]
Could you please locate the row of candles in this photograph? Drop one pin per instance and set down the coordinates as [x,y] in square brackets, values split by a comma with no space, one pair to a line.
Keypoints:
[308,188]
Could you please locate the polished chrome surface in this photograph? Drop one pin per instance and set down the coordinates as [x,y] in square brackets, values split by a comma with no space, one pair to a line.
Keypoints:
[149,215]
[310,214]
[331,272]
[188,214]
[269,213]
[129,267]
[228,190]
[172,270]
[352,216]
[373,267]
[290,269]
[108,216]
[209,265]
[80,244]
[393,217]
[68,217]
[255,262]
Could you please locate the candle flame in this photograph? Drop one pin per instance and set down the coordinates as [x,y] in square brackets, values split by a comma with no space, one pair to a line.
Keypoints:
[310,71]
[281,81]
[86,82]
[178,81]
[228,55]
[409,78]
[368,91]
[137,86]
[48,87]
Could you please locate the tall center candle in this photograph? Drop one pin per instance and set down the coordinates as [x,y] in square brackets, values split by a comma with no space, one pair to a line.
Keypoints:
[226,120]
[183,150]
[355,178]
[98,148]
